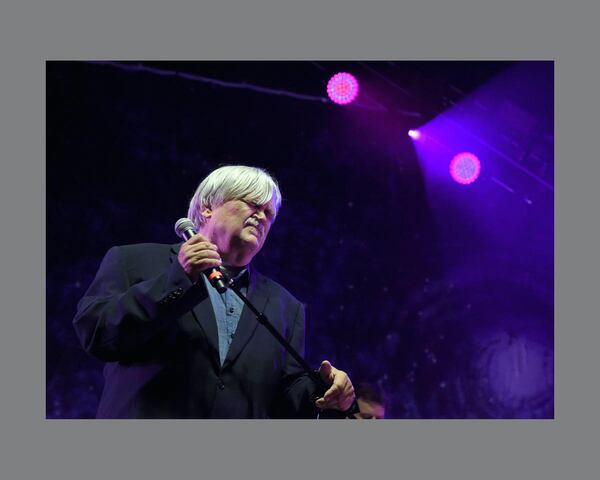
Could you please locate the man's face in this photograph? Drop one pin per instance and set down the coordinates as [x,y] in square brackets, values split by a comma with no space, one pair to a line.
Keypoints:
[239,228]
[370,410]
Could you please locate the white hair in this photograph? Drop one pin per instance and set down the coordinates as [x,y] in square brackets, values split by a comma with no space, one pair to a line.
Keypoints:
[233,182]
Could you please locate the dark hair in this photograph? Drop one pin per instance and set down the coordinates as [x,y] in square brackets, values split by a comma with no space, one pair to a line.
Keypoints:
[369,393]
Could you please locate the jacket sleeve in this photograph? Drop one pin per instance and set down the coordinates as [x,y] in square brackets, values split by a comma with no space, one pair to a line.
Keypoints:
[117,319]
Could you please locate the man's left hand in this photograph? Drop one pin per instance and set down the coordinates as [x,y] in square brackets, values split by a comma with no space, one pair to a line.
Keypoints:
[340,394]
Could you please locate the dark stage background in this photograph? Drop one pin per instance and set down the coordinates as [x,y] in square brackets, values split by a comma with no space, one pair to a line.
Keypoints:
[440,294]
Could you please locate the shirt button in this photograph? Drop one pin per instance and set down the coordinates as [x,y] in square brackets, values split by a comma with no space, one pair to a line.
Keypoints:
[231,310]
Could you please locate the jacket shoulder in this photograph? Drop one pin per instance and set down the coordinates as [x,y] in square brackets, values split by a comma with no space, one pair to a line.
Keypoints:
[146,248]
[276,287]
[145,258]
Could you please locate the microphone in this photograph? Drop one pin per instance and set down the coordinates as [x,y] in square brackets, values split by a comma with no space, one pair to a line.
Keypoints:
[184,228]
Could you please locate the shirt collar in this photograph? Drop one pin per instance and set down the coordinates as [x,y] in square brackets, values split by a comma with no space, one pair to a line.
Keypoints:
[241,279]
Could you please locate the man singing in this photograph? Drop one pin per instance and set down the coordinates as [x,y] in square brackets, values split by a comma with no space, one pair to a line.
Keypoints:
[177,348]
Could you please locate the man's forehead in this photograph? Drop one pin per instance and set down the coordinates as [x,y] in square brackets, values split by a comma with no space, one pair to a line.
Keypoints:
[253,199]
[270,204]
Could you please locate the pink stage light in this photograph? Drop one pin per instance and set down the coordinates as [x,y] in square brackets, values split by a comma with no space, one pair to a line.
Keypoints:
[342,88]
[465,168]
[414,134]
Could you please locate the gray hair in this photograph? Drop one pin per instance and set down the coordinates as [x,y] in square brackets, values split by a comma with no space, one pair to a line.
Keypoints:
[233,182]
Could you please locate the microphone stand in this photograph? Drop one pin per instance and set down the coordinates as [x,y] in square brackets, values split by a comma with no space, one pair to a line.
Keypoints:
[313,374]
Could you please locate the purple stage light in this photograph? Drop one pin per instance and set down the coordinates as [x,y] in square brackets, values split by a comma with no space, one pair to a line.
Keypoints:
[465,168]
[414,134]
[342,88]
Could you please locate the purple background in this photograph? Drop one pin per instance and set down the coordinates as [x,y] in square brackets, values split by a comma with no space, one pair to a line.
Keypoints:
[441,294]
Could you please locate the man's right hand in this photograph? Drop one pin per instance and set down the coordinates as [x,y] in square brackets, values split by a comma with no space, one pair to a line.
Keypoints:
[197,255]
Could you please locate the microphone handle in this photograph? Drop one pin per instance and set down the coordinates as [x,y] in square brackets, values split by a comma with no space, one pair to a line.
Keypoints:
[215,277]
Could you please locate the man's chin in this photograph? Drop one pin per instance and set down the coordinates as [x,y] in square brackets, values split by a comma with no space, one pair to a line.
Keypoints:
[251,240]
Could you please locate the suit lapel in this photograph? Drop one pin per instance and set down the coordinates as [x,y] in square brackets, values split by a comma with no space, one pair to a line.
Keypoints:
[258,295]
[205,317]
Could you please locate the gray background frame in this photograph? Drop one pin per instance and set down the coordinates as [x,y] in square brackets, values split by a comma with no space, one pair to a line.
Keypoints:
[32,447]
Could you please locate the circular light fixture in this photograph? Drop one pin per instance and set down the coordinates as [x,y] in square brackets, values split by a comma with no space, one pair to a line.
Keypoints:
[342,88]
[465,168]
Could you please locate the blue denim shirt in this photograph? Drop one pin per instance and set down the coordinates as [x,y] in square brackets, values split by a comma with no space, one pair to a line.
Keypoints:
[228,308]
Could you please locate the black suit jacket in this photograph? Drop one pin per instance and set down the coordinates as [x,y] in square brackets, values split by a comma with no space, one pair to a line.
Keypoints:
[158,333]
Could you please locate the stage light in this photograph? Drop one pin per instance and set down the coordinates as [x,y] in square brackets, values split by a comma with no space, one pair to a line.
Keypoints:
[414,134]
[342,88]
[465,168]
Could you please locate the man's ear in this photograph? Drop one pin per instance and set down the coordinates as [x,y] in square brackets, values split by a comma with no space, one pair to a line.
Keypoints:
[207,212]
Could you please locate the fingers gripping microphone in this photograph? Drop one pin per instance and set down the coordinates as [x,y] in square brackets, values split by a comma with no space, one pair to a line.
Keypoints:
[184,228]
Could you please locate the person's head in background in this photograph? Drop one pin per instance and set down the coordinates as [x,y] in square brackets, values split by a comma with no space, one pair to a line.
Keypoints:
[370,402]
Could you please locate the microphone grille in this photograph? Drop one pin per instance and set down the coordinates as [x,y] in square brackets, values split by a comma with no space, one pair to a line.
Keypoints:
[182,225]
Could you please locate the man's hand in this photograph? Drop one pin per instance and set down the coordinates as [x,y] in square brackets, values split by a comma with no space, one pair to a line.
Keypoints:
[340,394]
[197,255]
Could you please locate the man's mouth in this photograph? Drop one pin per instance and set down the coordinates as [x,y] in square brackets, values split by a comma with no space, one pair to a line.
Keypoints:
[255,226]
